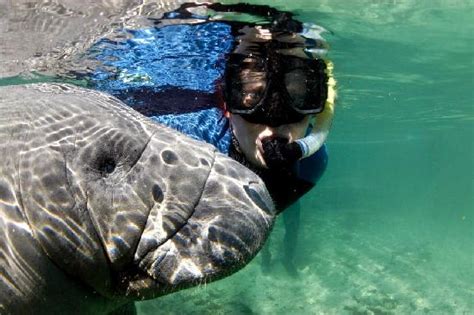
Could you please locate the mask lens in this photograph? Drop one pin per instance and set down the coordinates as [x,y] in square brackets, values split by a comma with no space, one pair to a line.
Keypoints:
[248,81]
[306,84]
[253,85]
[296,85]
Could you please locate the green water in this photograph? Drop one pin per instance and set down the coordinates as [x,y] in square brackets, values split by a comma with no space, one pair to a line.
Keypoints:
[389,229]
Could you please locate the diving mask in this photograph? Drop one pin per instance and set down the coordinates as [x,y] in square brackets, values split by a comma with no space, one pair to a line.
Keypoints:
[280,87]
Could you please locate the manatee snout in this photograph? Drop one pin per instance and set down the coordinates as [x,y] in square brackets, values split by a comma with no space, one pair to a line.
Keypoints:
[228,226]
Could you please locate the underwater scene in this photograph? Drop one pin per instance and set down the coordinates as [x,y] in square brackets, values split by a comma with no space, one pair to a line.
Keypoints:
[389,226]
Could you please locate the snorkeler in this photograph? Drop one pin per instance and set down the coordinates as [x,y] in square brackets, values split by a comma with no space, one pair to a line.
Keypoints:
[280,104]
[276,91]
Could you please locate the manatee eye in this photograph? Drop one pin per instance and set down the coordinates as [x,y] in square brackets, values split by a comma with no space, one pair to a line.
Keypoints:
[106,165]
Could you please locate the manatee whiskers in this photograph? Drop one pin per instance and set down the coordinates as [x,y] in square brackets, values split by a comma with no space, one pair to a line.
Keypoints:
[100,206]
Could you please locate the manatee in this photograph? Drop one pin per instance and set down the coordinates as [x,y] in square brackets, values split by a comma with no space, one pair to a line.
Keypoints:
[100,207]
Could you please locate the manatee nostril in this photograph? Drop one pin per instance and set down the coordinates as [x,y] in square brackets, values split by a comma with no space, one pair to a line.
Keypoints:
[204,162]
[157,193]
[169,157]
[261,199]
[106,166]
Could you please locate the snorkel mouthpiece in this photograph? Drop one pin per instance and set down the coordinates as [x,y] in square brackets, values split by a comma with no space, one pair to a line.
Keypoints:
[282,176]
[279,153]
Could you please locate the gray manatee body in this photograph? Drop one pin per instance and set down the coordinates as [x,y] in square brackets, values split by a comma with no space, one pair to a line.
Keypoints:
[100,206]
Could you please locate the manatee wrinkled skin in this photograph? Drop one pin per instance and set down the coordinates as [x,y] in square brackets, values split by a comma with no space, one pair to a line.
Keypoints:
[100,206]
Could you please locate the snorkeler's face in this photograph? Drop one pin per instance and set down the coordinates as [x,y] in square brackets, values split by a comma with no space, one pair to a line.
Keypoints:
[250,136]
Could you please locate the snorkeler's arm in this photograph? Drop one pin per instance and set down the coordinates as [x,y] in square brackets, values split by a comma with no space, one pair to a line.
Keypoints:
[313,142]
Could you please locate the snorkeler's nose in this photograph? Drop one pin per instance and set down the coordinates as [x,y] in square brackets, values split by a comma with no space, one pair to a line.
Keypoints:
[281,131]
